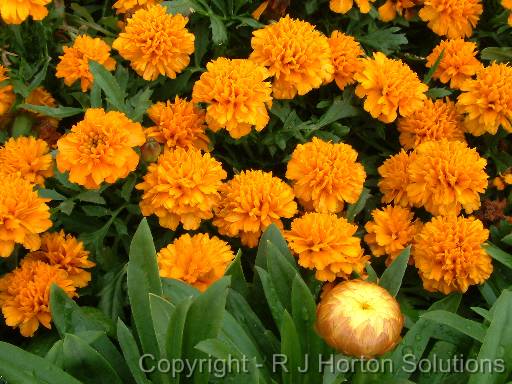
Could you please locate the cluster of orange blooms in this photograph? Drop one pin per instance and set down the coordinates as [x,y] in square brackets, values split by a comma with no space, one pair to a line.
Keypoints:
[436,170]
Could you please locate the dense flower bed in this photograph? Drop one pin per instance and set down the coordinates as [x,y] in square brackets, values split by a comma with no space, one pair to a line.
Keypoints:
[197,179]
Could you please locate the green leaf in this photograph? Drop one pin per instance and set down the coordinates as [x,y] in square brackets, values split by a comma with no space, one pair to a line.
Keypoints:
[176,290]
[392,277]
[204,321]
[219,32]
[69,318]
[140,103]
[354,209]
[497,344]
[143,279]
[304,317]
[498,54]
[174,335]
[372,275]
[161,312]
[433,69]
[273,235]
[273,301]
[19,366]
[291,348]
[50,194]
[67,206]
[499,255]
[86,364]
[238,281]
[22,125]
[281,274]
[438,93]
[108,83]
[57,112]
[185,7]
[131,352]
[465,326]
[91,197]
[386,40]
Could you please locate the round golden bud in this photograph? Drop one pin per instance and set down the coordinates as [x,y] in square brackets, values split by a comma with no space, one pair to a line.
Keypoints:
[358,318]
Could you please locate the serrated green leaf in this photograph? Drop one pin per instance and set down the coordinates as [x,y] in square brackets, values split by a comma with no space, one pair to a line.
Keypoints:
[56,112]
[219,32]
[109,85]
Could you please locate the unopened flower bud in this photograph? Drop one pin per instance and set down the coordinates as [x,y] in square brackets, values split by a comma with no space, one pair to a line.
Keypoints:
[358,318]
[151,150]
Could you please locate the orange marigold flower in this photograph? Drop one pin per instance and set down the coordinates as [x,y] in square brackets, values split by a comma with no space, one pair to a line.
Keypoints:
[435,121]
[126,6]
[296,54]
[250,202]
[359,319]
[178,124]
[28,158]
[389,86]
[452,18]
[156,43]
[391,231]
[7,96]
[487,100]
[326,243]
[23,215]
[507,4]
[391,8]
[395,179]
[457,64]
[25,295]
[445,176]
[449,255]
[346,58]
[237,95]
[343,6]
[325,175]
[66,252]
[74,63]
[183,186]
[198,260]
[99,148]
[17,11]
[41,96]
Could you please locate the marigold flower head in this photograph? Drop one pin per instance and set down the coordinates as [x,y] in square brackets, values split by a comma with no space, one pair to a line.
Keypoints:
[487,100]
[198,260]
[391,8]
[28,158]
[507,4]
[23,215]
[7,96]
[250,202]
[359,319]
[17,11]
[66,252]
[74,63]
[156,43]
[343,6]
[237,95]
[435,121]
[99,148]
[325,175]
[391,231]
[296,54]
[25,295]
[395,179]
[346,58]
[41,96]
[449,255]
[457,64]
[326,243]
[445,176]
[178,124]
[127,6]
[390,87]
[183,186]
[452,18]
